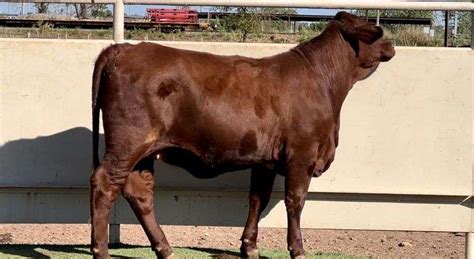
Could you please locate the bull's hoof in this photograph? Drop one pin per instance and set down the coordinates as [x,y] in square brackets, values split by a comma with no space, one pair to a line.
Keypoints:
[100,254]
[300,256]
[248,249]
[170,256]
[164,253]
[252,254]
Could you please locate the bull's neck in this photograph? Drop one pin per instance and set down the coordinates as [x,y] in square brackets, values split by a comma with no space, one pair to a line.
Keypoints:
[333,62]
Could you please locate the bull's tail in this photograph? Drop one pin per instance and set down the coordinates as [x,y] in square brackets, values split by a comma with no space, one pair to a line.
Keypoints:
[97,79]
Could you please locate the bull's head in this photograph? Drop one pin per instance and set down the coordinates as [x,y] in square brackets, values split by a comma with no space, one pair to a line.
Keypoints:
[367,41]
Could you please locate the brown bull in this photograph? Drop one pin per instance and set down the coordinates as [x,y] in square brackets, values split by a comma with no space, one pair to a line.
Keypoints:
[212,114]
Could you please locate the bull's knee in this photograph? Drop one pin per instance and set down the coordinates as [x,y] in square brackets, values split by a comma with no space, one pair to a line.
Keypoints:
[138,190]
[294,203]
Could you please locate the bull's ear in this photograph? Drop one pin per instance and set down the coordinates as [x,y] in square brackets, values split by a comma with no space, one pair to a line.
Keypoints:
[367,33]
[341,16]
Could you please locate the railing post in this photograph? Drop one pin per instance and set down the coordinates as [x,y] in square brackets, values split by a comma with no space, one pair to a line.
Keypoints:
[446,28]
[469,245]
[378,18]
[118,21]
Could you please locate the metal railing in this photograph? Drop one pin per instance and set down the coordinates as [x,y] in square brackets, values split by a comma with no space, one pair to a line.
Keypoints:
[118,30]
[330,4]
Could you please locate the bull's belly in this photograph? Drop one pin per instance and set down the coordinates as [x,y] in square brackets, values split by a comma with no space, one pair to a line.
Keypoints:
[207,165]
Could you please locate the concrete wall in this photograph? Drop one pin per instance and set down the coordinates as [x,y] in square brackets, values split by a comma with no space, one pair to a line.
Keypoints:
[405,145]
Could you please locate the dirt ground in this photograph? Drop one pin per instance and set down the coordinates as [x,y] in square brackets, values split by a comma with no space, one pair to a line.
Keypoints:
[365,243]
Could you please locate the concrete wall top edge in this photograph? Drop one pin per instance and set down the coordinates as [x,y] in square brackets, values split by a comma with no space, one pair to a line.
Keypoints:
[279,45]
[227,191]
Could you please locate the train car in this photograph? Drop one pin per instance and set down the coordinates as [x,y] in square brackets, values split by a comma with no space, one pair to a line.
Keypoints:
[169,20]
[175,16]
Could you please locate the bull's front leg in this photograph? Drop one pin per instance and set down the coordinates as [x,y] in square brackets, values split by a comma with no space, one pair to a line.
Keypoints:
[296,188]
[261,185]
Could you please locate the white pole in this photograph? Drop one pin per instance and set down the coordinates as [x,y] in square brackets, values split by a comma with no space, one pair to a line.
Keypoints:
[378,17]
[118,21]
[469,245]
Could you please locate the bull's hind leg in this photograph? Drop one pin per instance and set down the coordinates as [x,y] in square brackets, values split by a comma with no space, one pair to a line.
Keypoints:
[103,194]
[138,190]
[261,186]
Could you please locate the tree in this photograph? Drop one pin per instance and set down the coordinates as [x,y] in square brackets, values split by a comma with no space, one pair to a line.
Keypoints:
[463,36]
[464,23]
[84,11]
[246,20]
[81,11]
[41,7]
[100,10]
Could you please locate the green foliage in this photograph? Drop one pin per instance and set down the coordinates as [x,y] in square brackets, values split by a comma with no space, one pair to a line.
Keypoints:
[246,20]
[464,23]
[306,33]
[103,33]
[318,27]
[92,10]
[463,37]
[410,36]
[100,11]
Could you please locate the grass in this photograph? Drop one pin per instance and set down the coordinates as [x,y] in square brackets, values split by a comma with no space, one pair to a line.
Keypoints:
[131,251]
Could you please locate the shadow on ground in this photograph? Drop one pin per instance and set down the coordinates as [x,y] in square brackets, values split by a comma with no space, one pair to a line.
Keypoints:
[116,251]
[219,253]
[37,251]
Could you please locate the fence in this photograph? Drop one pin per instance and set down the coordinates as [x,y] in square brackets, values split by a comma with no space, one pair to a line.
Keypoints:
[338,4]
[404,161]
